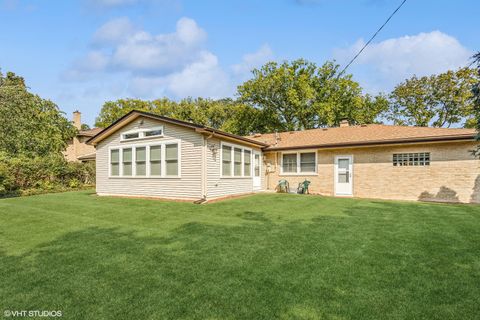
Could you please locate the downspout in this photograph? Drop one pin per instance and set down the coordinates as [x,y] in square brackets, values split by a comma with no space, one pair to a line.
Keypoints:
[204,169]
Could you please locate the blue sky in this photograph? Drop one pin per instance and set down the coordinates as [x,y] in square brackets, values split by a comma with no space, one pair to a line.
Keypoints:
[81,53]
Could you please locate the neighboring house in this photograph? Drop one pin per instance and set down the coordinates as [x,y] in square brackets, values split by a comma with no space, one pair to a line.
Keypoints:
[146,155]
[77,148]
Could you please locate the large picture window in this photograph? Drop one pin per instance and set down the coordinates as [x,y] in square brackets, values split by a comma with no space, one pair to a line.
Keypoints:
[152,160]
[299,163]
[236,161]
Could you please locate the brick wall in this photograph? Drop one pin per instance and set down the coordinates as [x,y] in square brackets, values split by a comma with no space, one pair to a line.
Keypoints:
[453,174]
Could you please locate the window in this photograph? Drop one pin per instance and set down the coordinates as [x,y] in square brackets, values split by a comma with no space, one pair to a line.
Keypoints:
[153,133]
[142,133]
[289,163]
[226,160]
[155,160]
[115,162]
[237,162]
[127,161]
[411,159]
[171,159]
[247,160]
[140,161]
[128,136]
[307,162]
[299,162]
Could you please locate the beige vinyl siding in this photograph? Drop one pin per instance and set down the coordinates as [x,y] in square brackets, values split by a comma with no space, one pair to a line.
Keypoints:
[188,186]
[218,186]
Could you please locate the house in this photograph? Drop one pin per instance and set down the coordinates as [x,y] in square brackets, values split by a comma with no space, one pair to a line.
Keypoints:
[77,148]
[147,155]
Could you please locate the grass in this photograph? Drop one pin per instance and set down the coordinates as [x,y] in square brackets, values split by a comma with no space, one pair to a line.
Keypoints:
[267,256]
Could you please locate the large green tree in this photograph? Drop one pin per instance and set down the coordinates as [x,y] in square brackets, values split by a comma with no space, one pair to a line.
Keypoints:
[439,100]
[300,95]
[224,114]
[30,125]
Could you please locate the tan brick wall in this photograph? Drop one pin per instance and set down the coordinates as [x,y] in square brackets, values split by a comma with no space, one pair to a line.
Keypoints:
[453,175]
[77,148]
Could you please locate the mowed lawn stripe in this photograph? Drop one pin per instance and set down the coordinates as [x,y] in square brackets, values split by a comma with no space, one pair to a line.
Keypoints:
[268,256]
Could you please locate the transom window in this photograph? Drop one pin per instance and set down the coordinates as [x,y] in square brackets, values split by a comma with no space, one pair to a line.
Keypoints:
[152,160]
[299,162]
[142,133]
[411,159]
[236,161]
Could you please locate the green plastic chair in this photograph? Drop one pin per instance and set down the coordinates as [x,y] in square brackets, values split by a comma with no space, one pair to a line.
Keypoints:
[283,186]
[306,183]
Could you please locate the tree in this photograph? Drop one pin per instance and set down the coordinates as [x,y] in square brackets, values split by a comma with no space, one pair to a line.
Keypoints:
[476,100]
[439,100]
[299,95]
[113,110]
[31,125]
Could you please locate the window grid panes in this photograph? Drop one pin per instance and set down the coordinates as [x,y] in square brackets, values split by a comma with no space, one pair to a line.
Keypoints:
[247,159]
[237,162]
[153,133]
[411,159]
[155,160]
[307,162]
[290,163]
[127,161]
[115,162]
[128,136]
[171,159]
[226,161]
[140,161]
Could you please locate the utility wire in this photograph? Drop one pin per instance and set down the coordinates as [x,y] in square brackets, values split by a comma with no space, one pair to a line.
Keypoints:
[373,37]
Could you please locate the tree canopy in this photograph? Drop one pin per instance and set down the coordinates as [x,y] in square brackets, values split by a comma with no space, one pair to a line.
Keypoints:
[440,100]
[31,125]
[300,95]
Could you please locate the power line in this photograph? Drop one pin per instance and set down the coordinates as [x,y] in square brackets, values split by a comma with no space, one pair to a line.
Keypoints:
[373,37]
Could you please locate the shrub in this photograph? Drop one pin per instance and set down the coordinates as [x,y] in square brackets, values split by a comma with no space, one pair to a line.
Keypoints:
[51,173]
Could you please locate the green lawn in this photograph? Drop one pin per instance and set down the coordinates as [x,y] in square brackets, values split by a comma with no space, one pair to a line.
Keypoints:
[267,256]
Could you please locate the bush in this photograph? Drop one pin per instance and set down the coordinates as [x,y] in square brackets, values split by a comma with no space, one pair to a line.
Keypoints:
[24,175]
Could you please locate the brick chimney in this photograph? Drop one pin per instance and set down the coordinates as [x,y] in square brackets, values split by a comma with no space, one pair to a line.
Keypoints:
[77,119]
[344,123]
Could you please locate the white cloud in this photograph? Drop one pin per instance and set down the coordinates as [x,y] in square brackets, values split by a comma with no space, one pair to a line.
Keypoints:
[143,51]
[253,60]
[175,64]
[384,64]
[114,32]
[112,3]
[201,78]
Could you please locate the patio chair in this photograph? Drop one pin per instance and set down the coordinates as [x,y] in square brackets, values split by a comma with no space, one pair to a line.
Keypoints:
[303,187]
[283,186]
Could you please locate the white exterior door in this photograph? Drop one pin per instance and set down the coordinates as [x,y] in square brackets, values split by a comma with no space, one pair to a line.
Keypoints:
[343,175]
[257,171]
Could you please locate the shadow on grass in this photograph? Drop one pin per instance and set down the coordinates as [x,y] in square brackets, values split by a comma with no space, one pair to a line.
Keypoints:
[325,269]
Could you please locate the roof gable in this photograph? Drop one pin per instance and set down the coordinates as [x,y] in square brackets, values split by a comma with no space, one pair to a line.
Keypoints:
[133,115]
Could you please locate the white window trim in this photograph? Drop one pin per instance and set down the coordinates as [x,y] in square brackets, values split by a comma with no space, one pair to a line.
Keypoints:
[147,158]
[141,134]
[299,173]
[232,162]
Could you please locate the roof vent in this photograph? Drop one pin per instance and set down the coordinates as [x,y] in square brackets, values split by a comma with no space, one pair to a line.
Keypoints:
[256,135]
[363,125]
[324,129]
